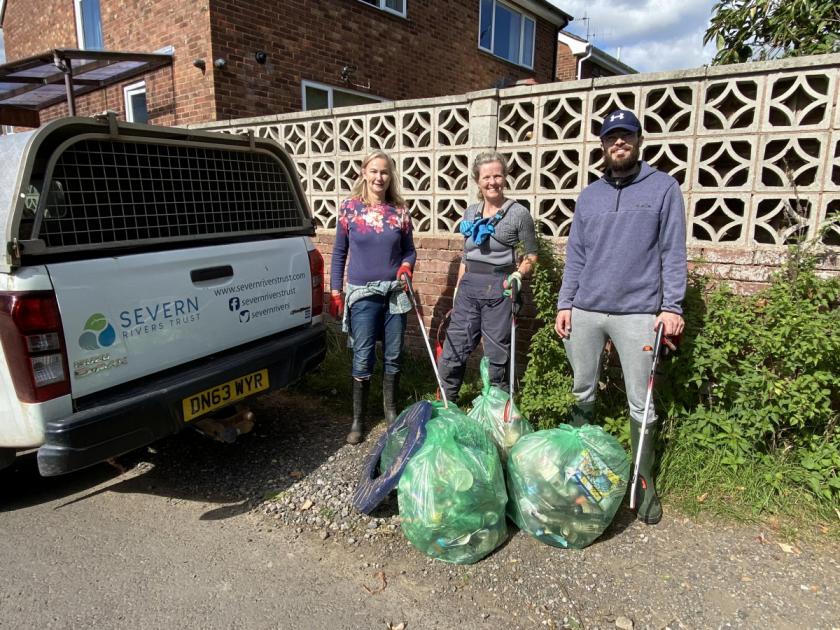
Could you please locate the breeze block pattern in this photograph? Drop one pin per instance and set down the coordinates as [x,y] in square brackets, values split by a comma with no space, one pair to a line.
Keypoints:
[755,148]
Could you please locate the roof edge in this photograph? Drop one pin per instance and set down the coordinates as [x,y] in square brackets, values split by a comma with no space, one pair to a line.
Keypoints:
[547,11]
[577,45]
[611,62]
[2,11]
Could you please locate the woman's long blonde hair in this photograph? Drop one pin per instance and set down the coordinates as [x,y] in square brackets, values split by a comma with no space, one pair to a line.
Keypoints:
[392,194]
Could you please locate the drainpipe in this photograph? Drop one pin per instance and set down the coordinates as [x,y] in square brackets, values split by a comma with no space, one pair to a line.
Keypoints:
[588,54]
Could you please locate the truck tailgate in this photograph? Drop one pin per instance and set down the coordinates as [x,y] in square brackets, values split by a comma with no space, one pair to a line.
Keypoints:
[130,316]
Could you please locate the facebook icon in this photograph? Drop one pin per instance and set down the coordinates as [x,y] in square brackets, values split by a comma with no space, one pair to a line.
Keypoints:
[233,305]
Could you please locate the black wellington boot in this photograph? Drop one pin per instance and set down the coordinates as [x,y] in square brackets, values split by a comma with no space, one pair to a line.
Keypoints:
[451,376]
[360,398]
[648,507]
[581,414]
[390,392]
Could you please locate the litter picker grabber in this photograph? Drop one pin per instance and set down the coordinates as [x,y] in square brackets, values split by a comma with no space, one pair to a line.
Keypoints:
[407,279]
[514,296]
[657,346]
[440,337]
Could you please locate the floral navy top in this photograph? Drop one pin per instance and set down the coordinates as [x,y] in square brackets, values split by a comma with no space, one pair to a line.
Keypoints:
[378,238]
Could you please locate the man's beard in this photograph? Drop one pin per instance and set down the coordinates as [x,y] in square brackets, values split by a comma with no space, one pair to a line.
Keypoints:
[624,164]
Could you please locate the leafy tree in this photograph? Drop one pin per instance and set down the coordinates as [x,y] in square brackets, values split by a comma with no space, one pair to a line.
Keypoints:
[755,30]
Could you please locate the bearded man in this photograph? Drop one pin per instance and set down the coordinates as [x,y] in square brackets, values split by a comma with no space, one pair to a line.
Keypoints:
[625,274]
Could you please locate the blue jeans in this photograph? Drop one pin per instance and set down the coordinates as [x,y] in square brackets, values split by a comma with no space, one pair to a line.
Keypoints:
[371,320]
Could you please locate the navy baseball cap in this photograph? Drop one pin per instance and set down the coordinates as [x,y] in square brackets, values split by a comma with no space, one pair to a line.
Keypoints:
[620,119]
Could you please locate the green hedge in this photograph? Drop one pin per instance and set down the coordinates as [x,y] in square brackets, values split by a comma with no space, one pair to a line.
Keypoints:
[749,405]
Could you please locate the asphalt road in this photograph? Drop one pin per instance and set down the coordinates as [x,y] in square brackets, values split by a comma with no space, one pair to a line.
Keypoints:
[100,549]
[184,537]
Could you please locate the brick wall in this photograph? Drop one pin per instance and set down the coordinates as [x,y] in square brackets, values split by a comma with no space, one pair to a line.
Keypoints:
[438,258]
[149,25]
[401,58]
[434,277]
[566,64]
[27,32]
[177,95]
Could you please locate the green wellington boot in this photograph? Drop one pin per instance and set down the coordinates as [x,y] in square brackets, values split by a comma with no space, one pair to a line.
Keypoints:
[648,507]
[581,414]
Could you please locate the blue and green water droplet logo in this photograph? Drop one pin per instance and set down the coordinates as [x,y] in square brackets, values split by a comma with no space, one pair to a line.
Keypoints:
[98,333]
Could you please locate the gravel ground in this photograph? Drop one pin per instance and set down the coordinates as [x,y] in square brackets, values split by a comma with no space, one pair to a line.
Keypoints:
[294,473]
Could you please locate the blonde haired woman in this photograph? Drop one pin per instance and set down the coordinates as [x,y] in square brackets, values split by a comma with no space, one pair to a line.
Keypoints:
[374,230]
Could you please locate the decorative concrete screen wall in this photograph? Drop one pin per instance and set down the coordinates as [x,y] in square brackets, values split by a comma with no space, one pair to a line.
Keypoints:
[755,147]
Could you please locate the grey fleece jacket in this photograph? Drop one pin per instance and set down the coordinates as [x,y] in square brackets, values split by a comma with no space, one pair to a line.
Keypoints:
[626,250]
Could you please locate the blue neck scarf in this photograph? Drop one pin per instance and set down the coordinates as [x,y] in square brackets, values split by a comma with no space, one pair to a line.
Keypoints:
[481,229]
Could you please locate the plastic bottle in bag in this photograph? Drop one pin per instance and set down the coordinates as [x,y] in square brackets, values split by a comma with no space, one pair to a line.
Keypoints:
[566,484]
[452,493]
[488,409]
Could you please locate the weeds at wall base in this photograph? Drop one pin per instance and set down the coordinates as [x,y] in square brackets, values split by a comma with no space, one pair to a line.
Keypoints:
[749,408]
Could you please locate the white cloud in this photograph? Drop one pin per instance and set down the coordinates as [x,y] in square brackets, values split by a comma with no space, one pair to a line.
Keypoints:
[653,35]
[686,51]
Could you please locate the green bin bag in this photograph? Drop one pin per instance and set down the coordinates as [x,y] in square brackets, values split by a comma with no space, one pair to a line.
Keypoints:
[489,411]
[566,484]
[452,493]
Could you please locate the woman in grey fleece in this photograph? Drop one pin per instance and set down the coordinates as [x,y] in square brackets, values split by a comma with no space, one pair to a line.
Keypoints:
[625,273]
[489,267]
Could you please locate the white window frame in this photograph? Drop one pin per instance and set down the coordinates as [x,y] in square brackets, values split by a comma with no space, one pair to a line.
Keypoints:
[380,4]
[132,90]
[524,16]
[329,90]
[80,24]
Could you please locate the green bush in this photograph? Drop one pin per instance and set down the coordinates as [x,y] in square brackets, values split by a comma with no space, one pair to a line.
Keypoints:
[547,382]
[754,389]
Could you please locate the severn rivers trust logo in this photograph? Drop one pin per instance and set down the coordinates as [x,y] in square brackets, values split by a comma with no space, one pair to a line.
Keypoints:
[98,333]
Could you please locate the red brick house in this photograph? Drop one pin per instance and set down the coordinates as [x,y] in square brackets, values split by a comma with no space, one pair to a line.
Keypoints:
[238,58]
[578,58]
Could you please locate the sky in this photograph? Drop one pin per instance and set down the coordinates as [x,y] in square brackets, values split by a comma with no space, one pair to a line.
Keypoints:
[653,35]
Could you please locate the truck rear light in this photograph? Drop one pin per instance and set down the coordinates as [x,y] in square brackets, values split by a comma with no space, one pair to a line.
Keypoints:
[316,271]
[43,343]
[35,311]
[32,338]
[47,369]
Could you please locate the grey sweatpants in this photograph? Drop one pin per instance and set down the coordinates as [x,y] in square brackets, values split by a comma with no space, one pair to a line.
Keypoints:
[632,337]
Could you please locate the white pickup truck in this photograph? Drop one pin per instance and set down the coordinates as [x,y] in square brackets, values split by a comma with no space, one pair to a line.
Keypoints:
[149,277]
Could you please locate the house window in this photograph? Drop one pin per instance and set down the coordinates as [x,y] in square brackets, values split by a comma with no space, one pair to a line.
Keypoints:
[135,103]
[89,25]
[321,96]
[506,33]
[392,6]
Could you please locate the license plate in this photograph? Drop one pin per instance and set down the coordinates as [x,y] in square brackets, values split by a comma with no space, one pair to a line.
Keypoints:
[224,394]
